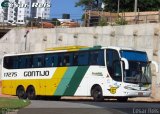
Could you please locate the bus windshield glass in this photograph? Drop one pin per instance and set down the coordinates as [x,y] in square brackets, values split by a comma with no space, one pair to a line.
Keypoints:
[139,68]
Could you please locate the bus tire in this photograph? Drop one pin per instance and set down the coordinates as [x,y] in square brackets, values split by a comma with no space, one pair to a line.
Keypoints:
[97,94]
[122,99]
[31,93]
[20,92]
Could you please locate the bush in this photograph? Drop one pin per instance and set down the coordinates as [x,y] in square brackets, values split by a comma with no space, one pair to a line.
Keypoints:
[121,21]
[102,22]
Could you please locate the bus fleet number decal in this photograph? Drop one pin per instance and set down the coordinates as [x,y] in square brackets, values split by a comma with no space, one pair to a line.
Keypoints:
[10,74]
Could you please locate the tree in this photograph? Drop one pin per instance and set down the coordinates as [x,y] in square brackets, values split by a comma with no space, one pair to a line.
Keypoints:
[55,21]
[125,5]
[89,4]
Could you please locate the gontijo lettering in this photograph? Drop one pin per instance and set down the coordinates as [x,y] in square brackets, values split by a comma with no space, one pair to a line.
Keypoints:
[36,73]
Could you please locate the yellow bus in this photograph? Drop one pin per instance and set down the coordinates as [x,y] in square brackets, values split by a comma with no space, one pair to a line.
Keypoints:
[100,72]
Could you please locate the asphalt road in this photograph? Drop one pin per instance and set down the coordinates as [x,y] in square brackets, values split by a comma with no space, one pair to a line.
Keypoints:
[89,107]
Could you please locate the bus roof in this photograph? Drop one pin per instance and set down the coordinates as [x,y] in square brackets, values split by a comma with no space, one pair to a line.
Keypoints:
[66,48]
[72,48]
[118,48]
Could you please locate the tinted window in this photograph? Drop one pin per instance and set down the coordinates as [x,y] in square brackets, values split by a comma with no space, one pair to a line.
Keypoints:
[94,58]
[60,60]
[80,58]
[22,62]
[67,59]
[83,58]
[50,60]
[8,63]
[28,61]
[38,61]
[97,57]
[11,62]
[75,59]
[113,64]
[111,56]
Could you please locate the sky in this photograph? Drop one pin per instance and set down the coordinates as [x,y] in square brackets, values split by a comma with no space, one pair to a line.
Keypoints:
[65,6]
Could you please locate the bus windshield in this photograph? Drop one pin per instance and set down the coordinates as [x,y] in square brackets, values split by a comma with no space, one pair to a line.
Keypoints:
[139,68]
[138,73]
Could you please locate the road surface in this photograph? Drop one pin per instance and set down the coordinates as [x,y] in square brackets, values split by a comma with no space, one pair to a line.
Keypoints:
[89,107]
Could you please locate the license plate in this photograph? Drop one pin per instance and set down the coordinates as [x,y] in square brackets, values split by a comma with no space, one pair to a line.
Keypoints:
[140,94]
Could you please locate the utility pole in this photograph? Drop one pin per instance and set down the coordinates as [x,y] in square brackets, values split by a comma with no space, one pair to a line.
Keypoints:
[118,6]
[135,6]
[135,10]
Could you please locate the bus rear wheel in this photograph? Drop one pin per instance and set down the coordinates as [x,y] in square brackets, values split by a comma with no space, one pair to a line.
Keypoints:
[20,92]
[31,94]
[97,94]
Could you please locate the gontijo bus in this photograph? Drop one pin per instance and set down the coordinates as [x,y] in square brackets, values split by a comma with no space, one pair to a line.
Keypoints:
[100,72]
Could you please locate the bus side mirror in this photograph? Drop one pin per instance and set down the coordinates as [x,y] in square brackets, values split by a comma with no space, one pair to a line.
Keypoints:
[156,65]
[126,63]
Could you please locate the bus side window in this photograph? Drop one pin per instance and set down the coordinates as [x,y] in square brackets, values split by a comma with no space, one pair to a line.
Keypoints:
[15,62]
[60,60]
[75,59]
[93,57]
[28,61]
[8,63]
[49,60]
[38,61]
[66,60]
[83,58]
[101,57]
[22,61]
[97,57]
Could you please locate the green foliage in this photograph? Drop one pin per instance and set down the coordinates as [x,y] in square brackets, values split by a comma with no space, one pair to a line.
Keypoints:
[55,22]
[83,2]
[125,5]
[83,16]
[89,4]
[102,22]
[121,21]
[128,5]
[10,103]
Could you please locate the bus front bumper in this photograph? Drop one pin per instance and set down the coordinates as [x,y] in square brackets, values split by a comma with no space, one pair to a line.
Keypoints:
[133,93]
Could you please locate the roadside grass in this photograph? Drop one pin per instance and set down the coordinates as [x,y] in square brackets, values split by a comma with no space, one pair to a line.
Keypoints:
[10,104]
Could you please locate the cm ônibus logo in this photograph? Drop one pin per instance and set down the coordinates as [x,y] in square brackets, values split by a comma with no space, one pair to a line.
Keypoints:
[6,4]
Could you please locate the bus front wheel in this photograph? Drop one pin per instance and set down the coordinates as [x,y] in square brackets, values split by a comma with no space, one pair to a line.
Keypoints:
[31,94]
[21,93]
[97,94]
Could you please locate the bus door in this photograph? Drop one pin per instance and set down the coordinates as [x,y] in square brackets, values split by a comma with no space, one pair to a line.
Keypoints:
[113,64]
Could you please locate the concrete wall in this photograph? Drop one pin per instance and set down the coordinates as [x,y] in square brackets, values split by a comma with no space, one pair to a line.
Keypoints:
[141,37]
